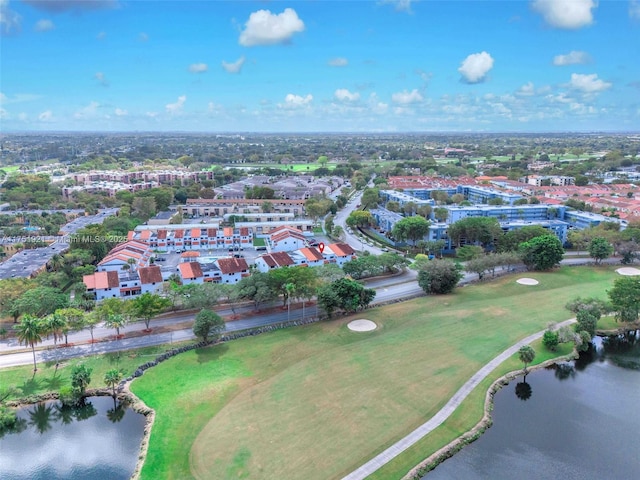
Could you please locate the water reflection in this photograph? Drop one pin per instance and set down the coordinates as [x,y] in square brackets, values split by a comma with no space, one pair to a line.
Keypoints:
[523,390]
[577,426]
[97,440]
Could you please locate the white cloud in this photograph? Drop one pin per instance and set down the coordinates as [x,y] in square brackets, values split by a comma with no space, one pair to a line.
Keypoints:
[400,5]
[234,67]
[405,97]
[121,112]
[44,25]
[338,62]
[266,28]
[143,37]
[569,14]
[4,115]
[198,67]
[475,67]
[18,98]
[526,90]
[344,95]
[151,114]
[634,9]
[376,105]
[102,80]
[574,57]
[87,112]
[176,108]
[10,21]
[588,83]
[46,116]
[296,101]
[101,35]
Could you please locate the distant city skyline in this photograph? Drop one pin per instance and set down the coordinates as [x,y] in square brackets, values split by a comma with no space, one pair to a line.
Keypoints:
[357,66]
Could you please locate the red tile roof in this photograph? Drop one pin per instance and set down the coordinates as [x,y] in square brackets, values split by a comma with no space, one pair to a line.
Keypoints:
[178,234]
[190,270]
[312,254]
[195,233]
[101,280]
[190,254]
[232,265]
[342,249]
[162,234]
[282,259]
[150,275]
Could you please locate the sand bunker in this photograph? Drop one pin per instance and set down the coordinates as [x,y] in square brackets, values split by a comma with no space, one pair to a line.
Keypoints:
[527,281]
[628,271]
[361,325]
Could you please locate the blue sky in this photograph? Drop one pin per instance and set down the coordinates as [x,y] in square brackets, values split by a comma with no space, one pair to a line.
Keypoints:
[320,66]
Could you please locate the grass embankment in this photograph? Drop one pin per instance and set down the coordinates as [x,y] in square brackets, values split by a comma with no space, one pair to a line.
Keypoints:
[466,416]
[46,379]
[319,401]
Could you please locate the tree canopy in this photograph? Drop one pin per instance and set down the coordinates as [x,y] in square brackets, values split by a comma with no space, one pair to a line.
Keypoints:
[439,276]
[411,228]
[625,298]
[542,253]
[482,230]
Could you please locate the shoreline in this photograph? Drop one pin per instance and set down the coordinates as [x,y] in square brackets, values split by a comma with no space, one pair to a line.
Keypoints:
[471,435]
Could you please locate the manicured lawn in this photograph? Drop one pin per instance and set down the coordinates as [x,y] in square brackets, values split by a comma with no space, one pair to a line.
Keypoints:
[46,379]
[318,401]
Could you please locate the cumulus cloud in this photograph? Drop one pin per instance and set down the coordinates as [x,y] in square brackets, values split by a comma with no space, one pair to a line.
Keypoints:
[46,116]
[475,67]
[120,112]
[176,108]
[568,14]
[526,90]
[44,25]
[58,6]
[87,112]
[344,95]
[234,67]
[198,67]
[574,57]
[266,28]
[400,5]
[405,97]
[588,83]
[634,9]
[10,21]
[338,62]
[296,101]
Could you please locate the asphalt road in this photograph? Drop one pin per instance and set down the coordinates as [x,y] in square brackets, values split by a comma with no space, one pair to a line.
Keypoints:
[387,289]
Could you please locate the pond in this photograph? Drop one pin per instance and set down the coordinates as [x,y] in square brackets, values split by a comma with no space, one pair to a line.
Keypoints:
[577,420]
[95,441]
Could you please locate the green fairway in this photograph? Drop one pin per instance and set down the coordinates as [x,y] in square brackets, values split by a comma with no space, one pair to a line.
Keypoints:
[318,401]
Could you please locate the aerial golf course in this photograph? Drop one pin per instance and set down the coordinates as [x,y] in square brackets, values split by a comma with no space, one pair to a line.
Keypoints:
[316,402]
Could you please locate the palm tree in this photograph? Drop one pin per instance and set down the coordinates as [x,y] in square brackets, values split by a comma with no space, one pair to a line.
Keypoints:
[56,262]
[55,324]
[115,320]
[112,378]
[526,355]
[29,331]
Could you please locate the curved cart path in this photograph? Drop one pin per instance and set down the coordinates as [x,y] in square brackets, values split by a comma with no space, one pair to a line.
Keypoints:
[434,422]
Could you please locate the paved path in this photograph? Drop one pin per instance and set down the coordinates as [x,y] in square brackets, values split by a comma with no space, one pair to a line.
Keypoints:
[401,445]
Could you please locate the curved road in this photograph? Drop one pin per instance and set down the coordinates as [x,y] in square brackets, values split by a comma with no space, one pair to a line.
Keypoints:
[445,412]
[387,289]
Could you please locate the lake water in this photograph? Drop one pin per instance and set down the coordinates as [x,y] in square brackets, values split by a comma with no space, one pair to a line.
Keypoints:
[581,421]
[94,442]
